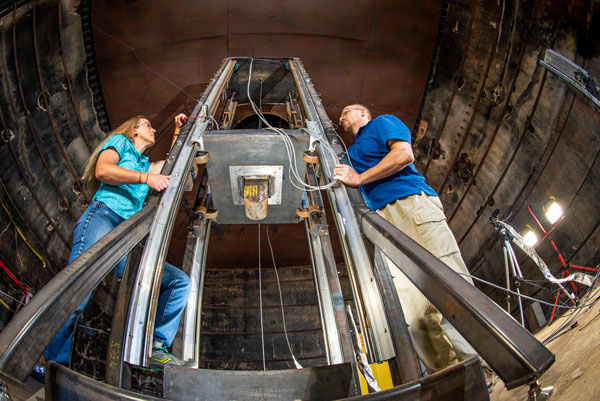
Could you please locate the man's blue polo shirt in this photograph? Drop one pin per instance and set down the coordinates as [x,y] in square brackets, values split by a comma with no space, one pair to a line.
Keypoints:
[370,146]
[125,199]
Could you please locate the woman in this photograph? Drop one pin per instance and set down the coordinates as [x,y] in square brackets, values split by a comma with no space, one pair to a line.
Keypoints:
[122,175]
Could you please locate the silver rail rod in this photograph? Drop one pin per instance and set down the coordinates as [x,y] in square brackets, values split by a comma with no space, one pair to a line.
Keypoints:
[376,324]
[140,325]
[191,320]
[332,336]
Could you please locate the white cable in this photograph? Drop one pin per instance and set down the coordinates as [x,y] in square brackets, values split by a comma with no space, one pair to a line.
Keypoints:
[525,296]
[262,329]
[289,145]
[298,366]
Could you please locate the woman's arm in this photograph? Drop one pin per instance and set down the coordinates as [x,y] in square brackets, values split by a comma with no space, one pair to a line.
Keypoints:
[109,172]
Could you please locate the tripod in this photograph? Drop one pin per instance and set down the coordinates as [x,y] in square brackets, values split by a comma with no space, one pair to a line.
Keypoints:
[511,267]
[511,264]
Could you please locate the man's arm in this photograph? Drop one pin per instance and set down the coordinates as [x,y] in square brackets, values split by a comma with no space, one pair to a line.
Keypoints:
[399,156]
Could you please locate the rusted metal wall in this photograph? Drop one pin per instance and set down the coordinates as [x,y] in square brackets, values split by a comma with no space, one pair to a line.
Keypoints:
[48,127]
[505,133]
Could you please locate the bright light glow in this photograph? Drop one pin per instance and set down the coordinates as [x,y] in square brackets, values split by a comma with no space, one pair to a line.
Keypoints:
[553,212]
[530,238]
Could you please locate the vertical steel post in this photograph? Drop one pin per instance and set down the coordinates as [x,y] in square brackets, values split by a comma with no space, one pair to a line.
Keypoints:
[195,258]
[140,326]
[373,322]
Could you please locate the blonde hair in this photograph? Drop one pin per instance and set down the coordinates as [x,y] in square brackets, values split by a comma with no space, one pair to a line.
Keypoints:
[89,173]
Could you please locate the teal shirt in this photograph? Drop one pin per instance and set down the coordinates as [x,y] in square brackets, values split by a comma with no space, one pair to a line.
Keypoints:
[125,199]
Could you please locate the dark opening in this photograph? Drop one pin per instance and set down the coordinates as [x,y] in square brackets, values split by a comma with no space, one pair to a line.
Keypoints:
[251,122]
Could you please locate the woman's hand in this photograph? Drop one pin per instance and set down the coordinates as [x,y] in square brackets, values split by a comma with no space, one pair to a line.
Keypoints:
[158,182]
[179,120]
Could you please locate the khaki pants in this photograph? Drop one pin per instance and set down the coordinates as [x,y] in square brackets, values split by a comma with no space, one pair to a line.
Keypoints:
[422,218]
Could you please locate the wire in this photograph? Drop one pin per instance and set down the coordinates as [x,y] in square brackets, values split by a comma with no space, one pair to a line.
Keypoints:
[262,329]
[299,183]
[525,296]
[22,235]
[298,366]
[144,64]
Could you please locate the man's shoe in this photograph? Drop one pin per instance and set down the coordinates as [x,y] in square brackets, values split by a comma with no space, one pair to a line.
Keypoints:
[162,357]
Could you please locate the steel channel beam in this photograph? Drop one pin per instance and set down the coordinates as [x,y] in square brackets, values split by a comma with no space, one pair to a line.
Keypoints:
[406,356]
[33,328]
[376,326]
[326,300]
[462,381]
[512,351]
[195,260]
[140,326]
[116,371]
[65,384]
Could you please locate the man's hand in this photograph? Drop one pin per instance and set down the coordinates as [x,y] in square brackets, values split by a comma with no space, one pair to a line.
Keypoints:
[346,174]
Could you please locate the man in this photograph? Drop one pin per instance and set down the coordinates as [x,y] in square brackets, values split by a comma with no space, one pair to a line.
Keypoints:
[382,166]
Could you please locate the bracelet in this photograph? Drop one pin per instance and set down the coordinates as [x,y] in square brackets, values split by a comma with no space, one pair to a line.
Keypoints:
[147,175]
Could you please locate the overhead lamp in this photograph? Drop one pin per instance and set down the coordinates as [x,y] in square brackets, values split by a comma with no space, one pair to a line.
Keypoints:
[552,210]
[529,236]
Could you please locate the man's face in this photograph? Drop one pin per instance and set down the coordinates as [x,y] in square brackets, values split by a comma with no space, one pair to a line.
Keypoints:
[350,116]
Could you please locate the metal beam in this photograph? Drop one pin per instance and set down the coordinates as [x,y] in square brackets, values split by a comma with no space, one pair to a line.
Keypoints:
[33,328]
[140,326]
[512,351]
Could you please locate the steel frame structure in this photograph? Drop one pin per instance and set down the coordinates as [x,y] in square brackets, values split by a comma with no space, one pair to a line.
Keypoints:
[516,356]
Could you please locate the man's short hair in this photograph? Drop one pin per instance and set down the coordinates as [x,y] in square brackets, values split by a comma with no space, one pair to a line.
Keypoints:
[362,106]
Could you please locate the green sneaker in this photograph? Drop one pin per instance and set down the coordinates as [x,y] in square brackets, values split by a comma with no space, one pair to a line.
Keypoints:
[162,357]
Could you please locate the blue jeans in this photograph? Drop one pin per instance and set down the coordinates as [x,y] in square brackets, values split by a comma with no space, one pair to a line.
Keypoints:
[97,221]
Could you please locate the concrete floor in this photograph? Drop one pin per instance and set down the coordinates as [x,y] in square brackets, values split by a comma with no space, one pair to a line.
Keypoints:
[574,375]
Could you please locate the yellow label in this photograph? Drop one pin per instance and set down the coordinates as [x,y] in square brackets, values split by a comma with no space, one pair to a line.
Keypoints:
[250,190]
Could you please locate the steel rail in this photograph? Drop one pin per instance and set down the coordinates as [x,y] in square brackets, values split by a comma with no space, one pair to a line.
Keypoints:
[63,200]
[68,76]
[377,337]
[33,328]
[47,107]
[195,259]
[140,325]
[512,351]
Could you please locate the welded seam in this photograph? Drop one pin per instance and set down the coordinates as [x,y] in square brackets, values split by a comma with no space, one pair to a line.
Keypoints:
[539,171]
[30,186]
[498,125]
[573,200]
[454,89]
[474,112]
[522,138]
[47,107]
[63,200]
[68,77]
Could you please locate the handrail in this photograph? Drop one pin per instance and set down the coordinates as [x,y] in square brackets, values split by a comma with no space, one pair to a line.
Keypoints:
[512,351]
[33,328]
